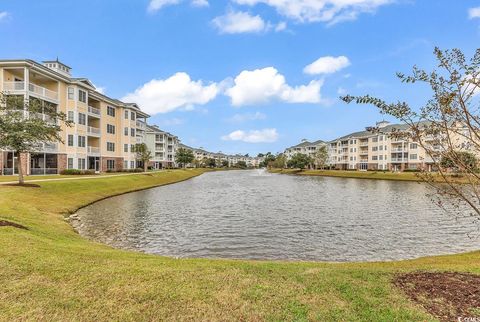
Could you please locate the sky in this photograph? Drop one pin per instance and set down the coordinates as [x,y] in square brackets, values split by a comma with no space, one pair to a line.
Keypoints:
[244,76]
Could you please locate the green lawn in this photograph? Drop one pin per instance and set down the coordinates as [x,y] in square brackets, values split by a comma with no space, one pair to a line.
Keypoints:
[56,176]
[50,273]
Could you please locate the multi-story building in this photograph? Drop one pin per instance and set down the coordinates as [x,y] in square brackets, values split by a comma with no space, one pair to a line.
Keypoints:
[377,150]
[163,146]
[104,131]
[305,147]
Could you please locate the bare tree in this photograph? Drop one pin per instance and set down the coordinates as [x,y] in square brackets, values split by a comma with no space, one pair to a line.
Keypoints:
[446,127]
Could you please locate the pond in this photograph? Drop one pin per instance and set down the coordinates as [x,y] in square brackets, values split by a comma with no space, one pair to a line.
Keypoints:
[258,215]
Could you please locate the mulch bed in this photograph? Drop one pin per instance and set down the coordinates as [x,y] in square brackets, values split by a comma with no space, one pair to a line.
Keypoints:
[447,296]
[4,223]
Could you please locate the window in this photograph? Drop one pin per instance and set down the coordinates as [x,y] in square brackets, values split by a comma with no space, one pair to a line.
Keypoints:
[70,163]
[375,148]
[385,148]
[413,146]
[380,147]
[413,157]
[110,146]
[110,111]
[71,116]
[132,147]
[82,164]
[380,157]
[81,141]
[133,116]
[82,96]
[110,164]
[132,164]
[110,129]
[132,132]
[70,140]
[82,119]
[125,148]
[125,131]
[380,138]
[374,139]
[374,158]
[71,93]
[126,115]
[125,164]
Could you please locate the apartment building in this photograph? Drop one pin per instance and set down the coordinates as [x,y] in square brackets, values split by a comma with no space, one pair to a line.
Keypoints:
[370,150]
[304,147]
[105,129]
[163,146]
[201,154]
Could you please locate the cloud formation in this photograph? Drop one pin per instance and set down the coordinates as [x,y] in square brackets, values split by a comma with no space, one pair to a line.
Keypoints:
[175,92]
[253,136]
[328,11]
[239,118]
[327,65]
[3,15]
[156,5]
[234,22]
[261,86]
[474,13]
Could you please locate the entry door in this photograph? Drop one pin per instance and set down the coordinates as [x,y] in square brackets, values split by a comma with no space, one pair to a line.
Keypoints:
[97,165]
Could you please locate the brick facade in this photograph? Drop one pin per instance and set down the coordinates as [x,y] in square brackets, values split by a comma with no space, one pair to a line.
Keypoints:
[61,162]
[118,163]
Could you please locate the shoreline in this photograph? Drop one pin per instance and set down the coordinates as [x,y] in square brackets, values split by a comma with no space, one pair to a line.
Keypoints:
[369,175]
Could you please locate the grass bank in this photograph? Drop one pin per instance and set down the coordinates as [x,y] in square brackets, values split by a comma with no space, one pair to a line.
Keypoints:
[375,175]
[49,272]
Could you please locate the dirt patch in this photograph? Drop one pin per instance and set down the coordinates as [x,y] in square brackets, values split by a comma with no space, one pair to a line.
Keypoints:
[4,223]
[447,296]
[26,185]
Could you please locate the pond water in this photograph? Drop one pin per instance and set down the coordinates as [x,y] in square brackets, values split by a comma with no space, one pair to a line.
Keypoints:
[257,215]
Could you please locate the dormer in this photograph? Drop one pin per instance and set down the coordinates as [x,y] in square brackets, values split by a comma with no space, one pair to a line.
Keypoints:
[58,66]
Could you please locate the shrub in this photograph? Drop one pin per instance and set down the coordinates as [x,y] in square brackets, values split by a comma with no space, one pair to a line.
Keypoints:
[411,170]
[77,172]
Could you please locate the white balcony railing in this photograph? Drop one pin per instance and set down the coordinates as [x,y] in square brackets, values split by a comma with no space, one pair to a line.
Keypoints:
[37,90]
[140,125]
[399,160]
[93,150]
[94,110]
[399,149]
[47,147]
[93,130]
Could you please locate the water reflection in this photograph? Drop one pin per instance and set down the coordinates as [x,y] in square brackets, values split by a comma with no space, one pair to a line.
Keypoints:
[256,215]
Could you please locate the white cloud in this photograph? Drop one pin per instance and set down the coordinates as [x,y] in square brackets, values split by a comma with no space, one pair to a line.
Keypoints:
[155,5]
[281,26]
[327,65]
[263,85]
[474,13]
[4,15]
[177,91]
[200,3]
[239,22]
[239,118]
[254,136]
[329,11]
[341,91]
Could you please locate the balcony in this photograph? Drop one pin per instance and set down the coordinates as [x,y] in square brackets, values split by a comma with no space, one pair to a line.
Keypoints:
[94,111]
[141,125]
[93,131]
[399,149]
[47,147]
[93,150]
[34,90]
[399,160]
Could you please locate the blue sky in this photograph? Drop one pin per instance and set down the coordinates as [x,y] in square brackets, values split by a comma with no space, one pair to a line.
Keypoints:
[239,75]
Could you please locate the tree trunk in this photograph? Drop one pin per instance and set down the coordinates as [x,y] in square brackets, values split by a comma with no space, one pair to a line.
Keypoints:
[21,179]
[145,166]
